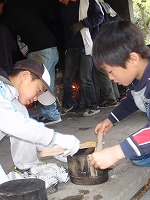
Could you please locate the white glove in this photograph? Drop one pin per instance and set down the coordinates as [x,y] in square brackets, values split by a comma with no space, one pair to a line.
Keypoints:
[68,142]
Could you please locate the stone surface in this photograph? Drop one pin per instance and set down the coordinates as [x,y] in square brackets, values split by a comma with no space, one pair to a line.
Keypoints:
[125,179]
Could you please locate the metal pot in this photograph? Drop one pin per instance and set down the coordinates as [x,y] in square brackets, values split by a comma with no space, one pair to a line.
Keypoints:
[80,171]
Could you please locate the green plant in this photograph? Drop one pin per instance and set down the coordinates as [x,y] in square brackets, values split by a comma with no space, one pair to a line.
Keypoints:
[142,16]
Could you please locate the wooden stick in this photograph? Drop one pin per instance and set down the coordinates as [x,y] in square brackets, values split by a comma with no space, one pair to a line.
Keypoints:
[99,141]
[58,150]
[98,147]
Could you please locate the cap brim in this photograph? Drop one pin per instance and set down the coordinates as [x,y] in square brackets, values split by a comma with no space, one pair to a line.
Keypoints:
[47,98]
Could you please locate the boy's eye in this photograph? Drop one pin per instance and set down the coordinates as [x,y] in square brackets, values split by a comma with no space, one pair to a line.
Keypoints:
[109,72]
[45,90]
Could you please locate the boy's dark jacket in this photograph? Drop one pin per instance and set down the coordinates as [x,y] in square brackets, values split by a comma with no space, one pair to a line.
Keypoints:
[138,98]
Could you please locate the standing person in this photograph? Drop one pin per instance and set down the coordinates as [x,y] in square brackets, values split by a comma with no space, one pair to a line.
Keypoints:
[103,83]
[29,81]
[126,58]
[81,20]
[9,50]
[22,19]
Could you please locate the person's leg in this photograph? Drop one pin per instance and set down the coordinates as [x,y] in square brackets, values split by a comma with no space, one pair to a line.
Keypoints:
[106,85]
[116,90]
[24,154]
[87,84]
[96,80]
[143,161]
[86,66]
[71,65]
[49,57]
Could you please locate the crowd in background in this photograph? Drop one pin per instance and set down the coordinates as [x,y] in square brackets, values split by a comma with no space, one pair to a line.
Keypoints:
[60,35]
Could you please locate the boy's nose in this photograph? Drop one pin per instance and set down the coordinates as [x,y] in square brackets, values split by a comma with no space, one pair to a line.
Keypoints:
[35,98]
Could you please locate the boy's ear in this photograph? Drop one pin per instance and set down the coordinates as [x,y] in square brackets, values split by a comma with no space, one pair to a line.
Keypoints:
[24,75]
[134,59]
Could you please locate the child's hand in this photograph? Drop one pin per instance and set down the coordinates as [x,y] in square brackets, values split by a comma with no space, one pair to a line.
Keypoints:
[104,126]
[68,142]
[107,157]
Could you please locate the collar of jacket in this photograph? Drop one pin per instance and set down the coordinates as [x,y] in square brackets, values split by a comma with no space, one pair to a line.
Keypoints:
[5,80]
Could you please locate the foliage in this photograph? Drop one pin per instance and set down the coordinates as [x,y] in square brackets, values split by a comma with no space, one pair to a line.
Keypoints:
[142,16]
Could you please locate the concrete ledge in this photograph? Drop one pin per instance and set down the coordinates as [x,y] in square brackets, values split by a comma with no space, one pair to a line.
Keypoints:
[125,180]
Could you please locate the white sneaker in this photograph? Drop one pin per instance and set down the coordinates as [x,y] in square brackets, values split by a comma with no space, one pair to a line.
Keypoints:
[20,174]
[48,121]
[64,111]
[90,112]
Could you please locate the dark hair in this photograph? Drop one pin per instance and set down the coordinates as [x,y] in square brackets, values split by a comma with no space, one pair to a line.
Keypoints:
[116,41]
[17,71]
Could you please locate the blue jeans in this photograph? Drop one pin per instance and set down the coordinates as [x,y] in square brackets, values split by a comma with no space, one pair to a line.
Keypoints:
[49,57]
[75,58]
[143,161]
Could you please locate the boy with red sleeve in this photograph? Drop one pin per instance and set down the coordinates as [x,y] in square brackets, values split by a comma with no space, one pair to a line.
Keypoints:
[120,49]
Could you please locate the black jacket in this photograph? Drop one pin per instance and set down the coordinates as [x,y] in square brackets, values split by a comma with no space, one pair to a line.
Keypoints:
[9,50]
[70,14]
[21,18]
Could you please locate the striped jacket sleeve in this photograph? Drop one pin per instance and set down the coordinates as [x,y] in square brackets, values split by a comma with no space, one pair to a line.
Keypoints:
[137,144]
